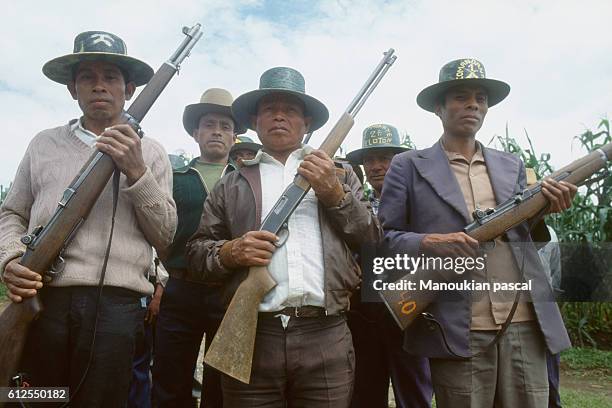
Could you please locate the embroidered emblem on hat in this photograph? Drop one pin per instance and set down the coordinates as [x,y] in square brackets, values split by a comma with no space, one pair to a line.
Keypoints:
[105,38]
[470,68]
[377,135]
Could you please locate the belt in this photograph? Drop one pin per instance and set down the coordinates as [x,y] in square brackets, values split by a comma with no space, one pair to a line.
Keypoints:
[302,311]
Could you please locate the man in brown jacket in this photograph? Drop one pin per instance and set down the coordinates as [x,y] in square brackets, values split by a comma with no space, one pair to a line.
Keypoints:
[303,350]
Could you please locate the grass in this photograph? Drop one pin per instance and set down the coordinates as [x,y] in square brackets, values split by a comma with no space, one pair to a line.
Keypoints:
[581,399]
[2,292]
[587,362]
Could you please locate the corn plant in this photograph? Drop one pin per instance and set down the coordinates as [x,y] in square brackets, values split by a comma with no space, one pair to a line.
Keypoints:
[588,222]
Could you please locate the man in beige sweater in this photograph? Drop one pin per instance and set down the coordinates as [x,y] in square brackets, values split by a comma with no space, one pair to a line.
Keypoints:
[101,77]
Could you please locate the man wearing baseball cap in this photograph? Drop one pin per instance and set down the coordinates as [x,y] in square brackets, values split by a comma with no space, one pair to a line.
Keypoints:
[190,309]
[428,198]
[101,77]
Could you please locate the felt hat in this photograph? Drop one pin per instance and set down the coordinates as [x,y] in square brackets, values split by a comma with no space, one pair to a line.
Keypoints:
[377,137]
[98,46]
[461,72]
[280,80]
[213,100]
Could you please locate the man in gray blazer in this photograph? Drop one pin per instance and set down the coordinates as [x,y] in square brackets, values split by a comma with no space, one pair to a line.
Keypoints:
[428,198]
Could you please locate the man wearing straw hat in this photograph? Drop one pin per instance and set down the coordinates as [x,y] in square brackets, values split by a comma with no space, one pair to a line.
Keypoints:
[101,77]
[303,350]
[189,309]
[379,356]
[244,149]
[428,198]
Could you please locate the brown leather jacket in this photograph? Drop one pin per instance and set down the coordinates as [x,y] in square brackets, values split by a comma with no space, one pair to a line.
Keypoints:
[234,208]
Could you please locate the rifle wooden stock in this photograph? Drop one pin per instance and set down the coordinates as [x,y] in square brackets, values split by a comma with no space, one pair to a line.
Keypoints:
[16,317]
[406,306]
[231,351]
[75,205]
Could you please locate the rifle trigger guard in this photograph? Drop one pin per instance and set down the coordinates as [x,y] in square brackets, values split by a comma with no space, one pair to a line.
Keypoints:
[57,267]
[283,235]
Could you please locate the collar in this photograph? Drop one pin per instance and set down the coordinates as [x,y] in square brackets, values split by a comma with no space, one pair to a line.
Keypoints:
[454,156]
[231,166]
[263,157]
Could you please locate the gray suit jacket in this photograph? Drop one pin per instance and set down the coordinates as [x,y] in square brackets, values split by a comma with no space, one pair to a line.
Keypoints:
[421,196]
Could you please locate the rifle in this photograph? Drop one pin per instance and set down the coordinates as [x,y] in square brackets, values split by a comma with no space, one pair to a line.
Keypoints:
[45,245]
[406,306]
[231,351]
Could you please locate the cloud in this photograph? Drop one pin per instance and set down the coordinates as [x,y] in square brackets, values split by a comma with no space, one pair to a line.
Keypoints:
[553,54]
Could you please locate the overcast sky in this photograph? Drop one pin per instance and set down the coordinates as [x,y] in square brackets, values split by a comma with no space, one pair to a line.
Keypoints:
[554,54]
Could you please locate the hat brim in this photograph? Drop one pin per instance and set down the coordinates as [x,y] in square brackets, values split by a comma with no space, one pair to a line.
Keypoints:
[193,113]
[60,69]
[254,147]
[245,106]
[496,91]
[356,156]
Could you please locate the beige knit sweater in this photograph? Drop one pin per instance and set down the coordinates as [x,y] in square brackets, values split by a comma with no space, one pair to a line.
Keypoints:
[146,213]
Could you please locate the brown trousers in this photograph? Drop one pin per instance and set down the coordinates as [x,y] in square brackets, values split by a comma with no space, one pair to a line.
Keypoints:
[309,364]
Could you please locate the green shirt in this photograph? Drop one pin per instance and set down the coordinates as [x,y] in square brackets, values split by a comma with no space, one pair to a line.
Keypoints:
[210,172]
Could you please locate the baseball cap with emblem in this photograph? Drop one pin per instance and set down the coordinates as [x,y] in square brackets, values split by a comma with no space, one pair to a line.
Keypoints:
[98,46]
[213,100]
[280,80]
[461,72]
[377,137]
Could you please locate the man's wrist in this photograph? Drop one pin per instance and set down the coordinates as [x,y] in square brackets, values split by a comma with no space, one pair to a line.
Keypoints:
[334,197]
[226,256]
[135,175]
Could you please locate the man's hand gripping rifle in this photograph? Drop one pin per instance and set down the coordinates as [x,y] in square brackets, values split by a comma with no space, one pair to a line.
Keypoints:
[406,306]
[231,351]
[45,245]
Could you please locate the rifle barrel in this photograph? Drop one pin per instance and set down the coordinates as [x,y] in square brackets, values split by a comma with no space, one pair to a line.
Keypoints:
[371,82]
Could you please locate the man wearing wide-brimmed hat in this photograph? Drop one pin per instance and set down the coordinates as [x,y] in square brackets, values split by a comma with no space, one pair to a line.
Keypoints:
[428,198]
[303,350]
[189,309]
[244,149]
[377,339]
[101,77]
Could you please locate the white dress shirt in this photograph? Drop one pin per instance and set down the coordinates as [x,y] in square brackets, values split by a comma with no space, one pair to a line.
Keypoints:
[297,266]
[86,136]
